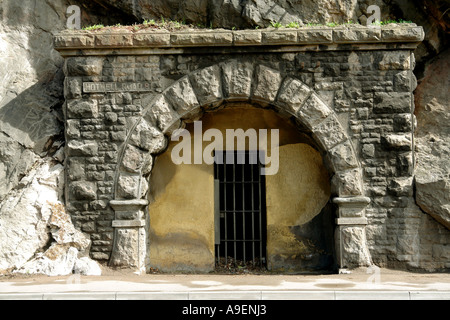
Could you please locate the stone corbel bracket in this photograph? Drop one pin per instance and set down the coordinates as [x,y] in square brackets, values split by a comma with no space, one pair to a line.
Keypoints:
[351,243]
[129,233]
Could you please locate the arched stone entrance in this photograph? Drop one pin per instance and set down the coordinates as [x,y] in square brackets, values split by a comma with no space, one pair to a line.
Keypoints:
[206,90]
[350,87]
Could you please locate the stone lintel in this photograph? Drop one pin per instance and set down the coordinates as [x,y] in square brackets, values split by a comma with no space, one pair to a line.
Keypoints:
[160,40]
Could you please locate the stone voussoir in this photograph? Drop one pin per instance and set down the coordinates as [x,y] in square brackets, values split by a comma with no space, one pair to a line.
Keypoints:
[237,79]
[267,84]
[207,84]
[293,94]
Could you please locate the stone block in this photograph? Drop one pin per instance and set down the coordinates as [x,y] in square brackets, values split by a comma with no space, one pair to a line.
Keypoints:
[182,96]
[128,187]
[83,190]
[393,34]
[277,37]
[392,102]
[237,79]
[74,41]
[207,85]
[315,36]
[247,37]
[147,137]
[394,60]
[82,109]
[403,122]
[210,38]
[405,164]
[330,132]
[293,95]
[79,148]
[267,84]
[353,251]
[368,150]
[347,183]
[130,247]
[398,141]
[314,111]
[151,39]
[73,129]
[84,66]
[73,88]
[133,159]
[163,116]
[342,157]
[401,186]
[76,168]
[349,35]
[402,81]
[114,40]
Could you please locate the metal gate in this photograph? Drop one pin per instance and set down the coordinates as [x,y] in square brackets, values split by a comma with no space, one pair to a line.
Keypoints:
[240,203]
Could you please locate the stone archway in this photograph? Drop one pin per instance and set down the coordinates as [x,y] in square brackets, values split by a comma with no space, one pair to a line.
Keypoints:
[206,90]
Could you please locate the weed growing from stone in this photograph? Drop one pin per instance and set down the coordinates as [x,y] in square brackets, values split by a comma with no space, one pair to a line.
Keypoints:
[173,25]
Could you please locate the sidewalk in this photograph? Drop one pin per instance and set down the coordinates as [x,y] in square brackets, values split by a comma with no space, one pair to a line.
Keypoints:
[360,285]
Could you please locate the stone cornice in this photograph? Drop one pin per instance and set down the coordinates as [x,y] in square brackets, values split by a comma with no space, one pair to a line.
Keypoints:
[124,41]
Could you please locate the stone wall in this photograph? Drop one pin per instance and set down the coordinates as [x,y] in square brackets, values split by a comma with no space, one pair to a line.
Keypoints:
[125,91]
[31,96]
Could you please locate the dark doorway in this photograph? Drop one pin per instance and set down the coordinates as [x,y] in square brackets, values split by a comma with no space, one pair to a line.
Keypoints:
[240,217]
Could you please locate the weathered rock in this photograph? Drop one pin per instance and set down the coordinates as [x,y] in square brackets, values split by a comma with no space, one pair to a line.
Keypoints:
[58,260]
[432,143]
[25,213]
[15,162]
[64,232]
[87,267]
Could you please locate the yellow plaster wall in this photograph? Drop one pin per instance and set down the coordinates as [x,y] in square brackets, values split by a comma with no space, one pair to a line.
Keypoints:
[295,196]
[182,196]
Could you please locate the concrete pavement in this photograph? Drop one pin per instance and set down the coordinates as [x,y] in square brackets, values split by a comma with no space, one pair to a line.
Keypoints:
[360,285]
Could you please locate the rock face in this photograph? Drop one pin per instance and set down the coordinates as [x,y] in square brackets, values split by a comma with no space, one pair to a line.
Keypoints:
[433,144]
[36,235]
[248,13]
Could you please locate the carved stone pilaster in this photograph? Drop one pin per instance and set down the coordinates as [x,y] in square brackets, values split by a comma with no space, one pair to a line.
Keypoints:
[350,237]
[129,234]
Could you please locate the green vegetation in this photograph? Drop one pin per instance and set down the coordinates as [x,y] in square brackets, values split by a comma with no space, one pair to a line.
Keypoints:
[179,25]
[383,23]
[94,27]
[276,24]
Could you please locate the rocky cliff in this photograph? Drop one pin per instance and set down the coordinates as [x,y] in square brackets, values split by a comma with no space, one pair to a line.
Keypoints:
[31,99]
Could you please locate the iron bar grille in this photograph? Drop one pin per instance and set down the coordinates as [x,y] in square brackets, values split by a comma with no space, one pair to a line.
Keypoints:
[240,221]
